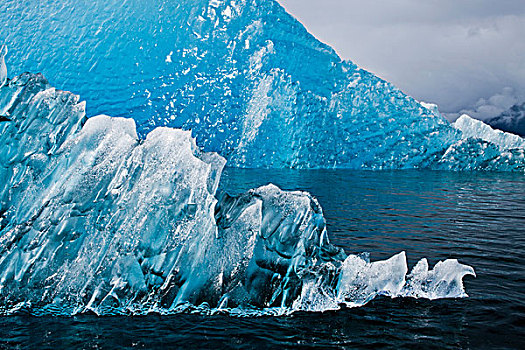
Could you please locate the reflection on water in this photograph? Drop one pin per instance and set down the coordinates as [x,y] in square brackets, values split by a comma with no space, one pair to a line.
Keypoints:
[478,218]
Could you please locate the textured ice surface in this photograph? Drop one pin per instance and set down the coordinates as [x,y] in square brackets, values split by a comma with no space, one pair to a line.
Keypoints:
[472,128]
[443,281]
[3,67]
[245,76]
[92,219]
[475,154]
[483,148]
[360,281]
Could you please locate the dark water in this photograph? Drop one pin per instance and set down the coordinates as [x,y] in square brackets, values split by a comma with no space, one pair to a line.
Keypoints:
[478,218]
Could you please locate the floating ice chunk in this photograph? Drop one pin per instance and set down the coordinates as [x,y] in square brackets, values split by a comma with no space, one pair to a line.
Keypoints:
[94,219]
[361,280]
[291,240]
[473,128]
[445,280]
[109,224]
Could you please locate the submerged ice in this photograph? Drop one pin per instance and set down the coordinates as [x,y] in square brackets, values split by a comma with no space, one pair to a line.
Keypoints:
[245,77]
[94,219]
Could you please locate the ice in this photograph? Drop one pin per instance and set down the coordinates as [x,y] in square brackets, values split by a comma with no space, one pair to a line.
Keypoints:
[472,128]
[3,67]
[290,242]
[94,219]
[245,77]
[361,281]
[483,148]
[445,280]
[90,214]
[476,154]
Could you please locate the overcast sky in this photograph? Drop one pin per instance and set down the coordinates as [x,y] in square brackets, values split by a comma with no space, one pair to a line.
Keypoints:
[460,54]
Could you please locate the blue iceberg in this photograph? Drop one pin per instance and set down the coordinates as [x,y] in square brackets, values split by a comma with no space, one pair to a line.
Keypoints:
[95,219]
[244,76]
[121,215]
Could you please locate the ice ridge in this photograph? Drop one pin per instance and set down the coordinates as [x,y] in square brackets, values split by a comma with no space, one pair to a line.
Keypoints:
[94,219]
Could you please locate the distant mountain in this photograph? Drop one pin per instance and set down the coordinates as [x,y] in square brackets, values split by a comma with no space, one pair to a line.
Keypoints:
[512,120]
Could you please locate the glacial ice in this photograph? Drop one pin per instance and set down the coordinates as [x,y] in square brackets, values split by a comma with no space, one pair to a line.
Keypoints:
[3,67]
[472,128]
[244,76]
[361,281]
[443,281]
[94,219]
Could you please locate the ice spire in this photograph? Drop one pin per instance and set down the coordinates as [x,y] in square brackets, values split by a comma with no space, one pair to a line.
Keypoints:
[3,67]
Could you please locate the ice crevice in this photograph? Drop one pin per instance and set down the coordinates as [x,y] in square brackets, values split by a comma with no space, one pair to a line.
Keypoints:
[92,219]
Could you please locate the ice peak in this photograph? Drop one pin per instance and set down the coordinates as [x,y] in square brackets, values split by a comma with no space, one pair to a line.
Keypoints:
[473,128]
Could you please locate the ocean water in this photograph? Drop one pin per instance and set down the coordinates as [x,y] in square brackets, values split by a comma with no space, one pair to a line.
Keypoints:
[478,218]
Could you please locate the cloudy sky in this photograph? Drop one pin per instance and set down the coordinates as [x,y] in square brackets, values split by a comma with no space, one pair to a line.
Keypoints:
[461,54]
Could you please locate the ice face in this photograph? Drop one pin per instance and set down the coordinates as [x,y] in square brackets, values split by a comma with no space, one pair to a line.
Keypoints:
[482,148]
[476,154]
[472,128]
[360,281]
[89,213]
[444,280]
[290,242]
[3,67]
[93,219]
[246,77]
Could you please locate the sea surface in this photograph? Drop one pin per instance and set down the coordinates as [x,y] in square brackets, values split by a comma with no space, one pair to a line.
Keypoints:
[478,218]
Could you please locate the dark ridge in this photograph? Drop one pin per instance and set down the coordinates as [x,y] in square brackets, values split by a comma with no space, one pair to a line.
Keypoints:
[512,120]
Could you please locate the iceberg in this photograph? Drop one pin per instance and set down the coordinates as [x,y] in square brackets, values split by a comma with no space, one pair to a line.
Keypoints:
[94,219]
[244,76]
[483,148]
[361,280]
[473,128]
